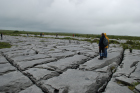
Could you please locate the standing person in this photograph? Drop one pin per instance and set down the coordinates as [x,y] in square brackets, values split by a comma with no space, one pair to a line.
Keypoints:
[27,34]
[56,35]
[101,47]
[105,50]
[1,36]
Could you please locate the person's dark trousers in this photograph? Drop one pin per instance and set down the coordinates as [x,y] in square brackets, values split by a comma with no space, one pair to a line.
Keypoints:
[105,52]
[101,51]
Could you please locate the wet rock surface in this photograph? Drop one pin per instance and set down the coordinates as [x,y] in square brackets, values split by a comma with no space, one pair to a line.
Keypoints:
[40,65]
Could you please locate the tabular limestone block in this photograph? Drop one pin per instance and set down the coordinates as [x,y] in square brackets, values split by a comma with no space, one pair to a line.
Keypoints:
[128,65]
[138,87]
[30,57]
[61,54]
[113,87]
[13,82]
[32,89]
[125,80]
[76,81]
[6,68]
[19,53]
[27,64]
[3,60]
[63,64]
[96,63]
[136,73]
[38,73]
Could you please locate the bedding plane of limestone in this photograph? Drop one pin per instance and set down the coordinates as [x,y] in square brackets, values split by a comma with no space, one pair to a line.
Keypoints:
[49,65]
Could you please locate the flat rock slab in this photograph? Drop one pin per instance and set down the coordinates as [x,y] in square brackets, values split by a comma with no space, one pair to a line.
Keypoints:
[19,53]
[29,57]
[128,64]
[125,80]
[61,54]
[66,63]
[71,48]
[138,87]
[96,63]
[4,68]
[136,73]
[3,60]
[38,73]
[13,82]
[74,81]
[32,89]
[27,64]
[113,87]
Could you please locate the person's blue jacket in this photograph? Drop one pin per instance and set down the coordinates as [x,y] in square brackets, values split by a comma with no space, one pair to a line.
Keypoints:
[101,41]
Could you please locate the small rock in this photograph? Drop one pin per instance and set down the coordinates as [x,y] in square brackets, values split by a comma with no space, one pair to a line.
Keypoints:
[138,87]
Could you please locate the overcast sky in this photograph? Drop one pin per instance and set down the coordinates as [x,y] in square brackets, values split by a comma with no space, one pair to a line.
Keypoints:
[114,17]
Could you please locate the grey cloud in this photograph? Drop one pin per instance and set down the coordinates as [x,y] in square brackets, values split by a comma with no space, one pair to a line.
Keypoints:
[117,17]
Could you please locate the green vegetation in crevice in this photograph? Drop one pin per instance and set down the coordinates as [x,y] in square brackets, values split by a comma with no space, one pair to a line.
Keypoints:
[88,40]
[131,45]
[113,69]
[131,87]
[134,84]
[5,45]
[42,41]
[113,42]
[51,49]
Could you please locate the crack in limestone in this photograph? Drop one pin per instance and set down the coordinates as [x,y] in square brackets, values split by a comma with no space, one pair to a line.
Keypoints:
[135,65]
[34,82]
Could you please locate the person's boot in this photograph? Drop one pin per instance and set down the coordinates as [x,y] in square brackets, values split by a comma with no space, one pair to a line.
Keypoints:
[101,58]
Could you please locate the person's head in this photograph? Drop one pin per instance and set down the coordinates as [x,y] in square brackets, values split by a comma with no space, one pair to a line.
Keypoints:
[102,34]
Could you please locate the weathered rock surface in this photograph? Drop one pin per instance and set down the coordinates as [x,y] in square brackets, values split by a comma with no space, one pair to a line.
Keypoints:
[13,82]
[64,64]
[4,68]
[138,87]
[76,81]
[113,87]
[32,89]
[96,64]
[43,65]
[38,73]
[127,74]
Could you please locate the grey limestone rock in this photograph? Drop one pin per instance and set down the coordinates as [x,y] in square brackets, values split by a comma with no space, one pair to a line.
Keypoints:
[14,82]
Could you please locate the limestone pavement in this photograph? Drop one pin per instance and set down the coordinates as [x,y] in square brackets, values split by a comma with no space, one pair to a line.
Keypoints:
[40,65]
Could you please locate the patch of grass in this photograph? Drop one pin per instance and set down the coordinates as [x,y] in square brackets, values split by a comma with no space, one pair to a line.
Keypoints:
[68,38]
[88,40]
[4,45]
[130,42]
[42,41]
[51,50]
[119,82]
[16,31]
[134,84]
[113,42]
[125,46]
[131,87]
[96,40]
[131,45]
[112,68]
